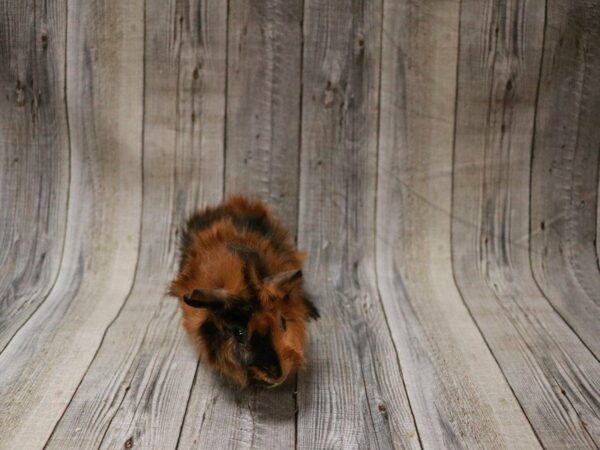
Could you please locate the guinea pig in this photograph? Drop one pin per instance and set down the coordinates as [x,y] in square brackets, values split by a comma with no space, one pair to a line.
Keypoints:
[240,289]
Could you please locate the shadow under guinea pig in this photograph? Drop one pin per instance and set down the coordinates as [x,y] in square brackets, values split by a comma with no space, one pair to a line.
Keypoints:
[216,401]
[227,402]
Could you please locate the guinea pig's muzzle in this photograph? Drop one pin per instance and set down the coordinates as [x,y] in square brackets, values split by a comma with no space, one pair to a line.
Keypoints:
[267,376]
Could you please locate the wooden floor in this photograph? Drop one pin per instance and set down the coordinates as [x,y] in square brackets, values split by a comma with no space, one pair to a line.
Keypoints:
[438,160]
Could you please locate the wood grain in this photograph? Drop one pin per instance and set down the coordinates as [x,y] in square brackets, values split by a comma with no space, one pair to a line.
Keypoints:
[564,179]
[263,91]
[45,361]
[458,394]
[437,160]
[553,375]
[352,394]
[263,102]
[34,150]
[151,364]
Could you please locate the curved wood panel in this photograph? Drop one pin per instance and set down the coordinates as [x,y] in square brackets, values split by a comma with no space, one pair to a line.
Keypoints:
[151,364]
[263,102]
[457,391]
[34,150]
[262,135]
[566,160]
[352,394]
[43,364]
[552,374]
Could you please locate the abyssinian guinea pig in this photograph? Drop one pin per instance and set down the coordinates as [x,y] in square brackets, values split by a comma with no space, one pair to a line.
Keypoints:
[240,289]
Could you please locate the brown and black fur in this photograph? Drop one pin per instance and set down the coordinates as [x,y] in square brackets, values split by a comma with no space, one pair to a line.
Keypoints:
[240,290]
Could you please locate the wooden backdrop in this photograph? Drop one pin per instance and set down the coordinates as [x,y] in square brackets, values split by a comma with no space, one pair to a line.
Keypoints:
[437,159]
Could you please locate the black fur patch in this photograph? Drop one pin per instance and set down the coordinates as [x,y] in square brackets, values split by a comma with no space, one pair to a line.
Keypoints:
[252,291]
[252,262]
[199,221]
[313,312]
[242,250]
[238,312]
[260,224]
[213,339]
[255,223]
[265,357]
[252,257]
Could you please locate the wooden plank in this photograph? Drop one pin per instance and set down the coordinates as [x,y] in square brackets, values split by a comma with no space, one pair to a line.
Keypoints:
[458,394]
[352,394]
[34,149]
[136,391]
[565,168]
[554,376]
[263,102]
[43,364]
[219,416]
[263,94]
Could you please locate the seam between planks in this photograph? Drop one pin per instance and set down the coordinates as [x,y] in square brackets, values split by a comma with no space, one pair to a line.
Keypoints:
[367,350]
[133,281]
[534,132]
[135,276]
[300,109]
[109,423]
[187,405]
[298,176]
[225,94]
[596,244]
[223,177]
[492,353]
[375,211]
[68,196]
[452,221]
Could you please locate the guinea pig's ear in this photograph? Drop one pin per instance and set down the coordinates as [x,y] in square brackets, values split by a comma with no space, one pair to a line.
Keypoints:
[213,299]
[283,278]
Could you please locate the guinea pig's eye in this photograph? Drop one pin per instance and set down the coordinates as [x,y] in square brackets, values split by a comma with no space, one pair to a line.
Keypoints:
[238,333]
[283,323]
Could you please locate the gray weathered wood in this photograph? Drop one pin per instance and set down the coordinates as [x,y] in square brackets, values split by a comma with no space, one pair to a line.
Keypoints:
[263,92]
[45,361]
[263,102]
[352,394]
[565,168]
[458,394]
[416,148]
[150,361]
[34,150]
[553,375]
[222,416]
